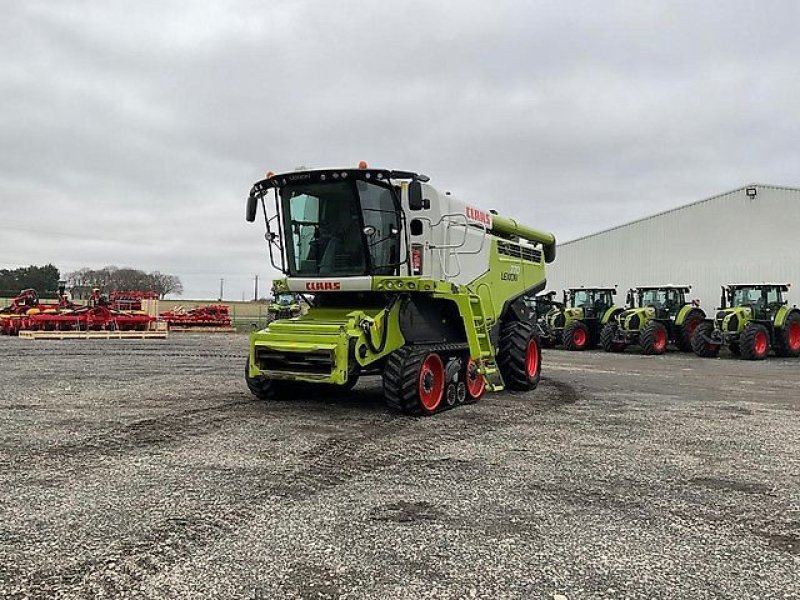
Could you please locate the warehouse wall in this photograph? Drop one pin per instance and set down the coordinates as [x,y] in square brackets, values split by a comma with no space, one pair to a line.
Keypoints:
[728,238]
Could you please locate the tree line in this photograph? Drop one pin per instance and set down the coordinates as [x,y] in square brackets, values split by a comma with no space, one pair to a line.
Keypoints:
[45,280]
[82,281]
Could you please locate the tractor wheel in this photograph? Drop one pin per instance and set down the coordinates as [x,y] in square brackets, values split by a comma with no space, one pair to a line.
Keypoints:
[734,348]
[788,337]
[686,331]
[476,384]
[700,345]
[754,342]
[654,338]
[576,336]
[414,381]
[520,356]
[607,338]
[261,387]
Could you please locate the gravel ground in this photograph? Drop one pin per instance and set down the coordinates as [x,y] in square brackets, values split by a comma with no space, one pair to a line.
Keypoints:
[143,469]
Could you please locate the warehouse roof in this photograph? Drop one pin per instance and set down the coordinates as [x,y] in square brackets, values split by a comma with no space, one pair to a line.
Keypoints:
[683,207]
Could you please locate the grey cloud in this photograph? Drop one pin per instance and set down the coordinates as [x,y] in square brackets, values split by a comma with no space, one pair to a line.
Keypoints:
[132,132]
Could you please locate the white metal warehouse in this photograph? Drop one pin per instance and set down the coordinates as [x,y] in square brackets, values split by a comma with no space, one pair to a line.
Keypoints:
[748,235]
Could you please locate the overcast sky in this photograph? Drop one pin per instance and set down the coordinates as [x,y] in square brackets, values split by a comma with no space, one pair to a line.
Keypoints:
[131,132]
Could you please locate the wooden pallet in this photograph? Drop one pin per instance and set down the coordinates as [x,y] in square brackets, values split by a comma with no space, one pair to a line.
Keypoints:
[93,335]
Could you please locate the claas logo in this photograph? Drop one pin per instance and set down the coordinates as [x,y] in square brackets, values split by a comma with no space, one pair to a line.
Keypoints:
[473,214]
[323,286]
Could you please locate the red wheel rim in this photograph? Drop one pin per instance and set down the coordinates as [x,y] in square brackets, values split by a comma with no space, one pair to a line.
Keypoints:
[660,340]
[794,336]
[476,384]
[431,382]
[532,358]
[760,343]
[579,337]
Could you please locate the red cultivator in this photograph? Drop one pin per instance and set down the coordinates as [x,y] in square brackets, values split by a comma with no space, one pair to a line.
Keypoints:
[26,313]
[212,315]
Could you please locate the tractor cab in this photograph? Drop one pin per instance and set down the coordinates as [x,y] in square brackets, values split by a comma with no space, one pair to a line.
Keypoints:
[666,301]
[763,300]
[594,301]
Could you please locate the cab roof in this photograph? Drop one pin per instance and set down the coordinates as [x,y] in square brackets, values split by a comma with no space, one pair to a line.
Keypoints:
[684,288]
[784,287]
[274,180]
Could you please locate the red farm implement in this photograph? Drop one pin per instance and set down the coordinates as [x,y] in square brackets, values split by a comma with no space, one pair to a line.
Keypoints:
[27,313]
[212,315]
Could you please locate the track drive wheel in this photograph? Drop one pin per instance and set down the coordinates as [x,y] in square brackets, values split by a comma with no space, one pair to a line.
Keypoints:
[690,323]
[754,342]
[520,356]
[414,381]
[475,382]
[788,338]
[576,336]
[654,338]
[700,344]
[607,335]
[261,387]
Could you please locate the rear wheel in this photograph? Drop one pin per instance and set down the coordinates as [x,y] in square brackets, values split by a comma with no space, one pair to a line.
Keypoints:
[690,323]
[576,336]
[476,384]
[261,387]
[607,336]
[520,357]
[754,342]
[414,381]
[788,337]
[654,338]
[700,341]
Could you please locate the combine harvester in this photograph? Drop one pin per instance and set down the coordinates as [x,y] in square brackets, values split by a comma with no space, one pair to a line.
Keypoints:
[409,283]
[27,317]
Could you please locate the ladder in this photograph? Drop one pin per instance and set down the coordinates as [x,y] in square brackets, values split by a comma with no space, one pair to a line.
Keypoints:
[487,366]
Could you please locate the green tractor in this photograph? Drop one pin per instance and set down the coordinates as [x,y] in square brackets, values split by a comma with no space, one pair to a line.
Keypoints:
[584,314]
[284,305]
[655,316]
[751,320]
[544,305]
[409,284]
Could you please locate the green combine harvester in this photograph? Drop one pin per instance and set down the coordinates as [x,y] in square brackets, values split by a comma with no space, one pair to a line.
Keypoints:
[284,306]
[751,319]
[409,284]
[655,317]
[584,313]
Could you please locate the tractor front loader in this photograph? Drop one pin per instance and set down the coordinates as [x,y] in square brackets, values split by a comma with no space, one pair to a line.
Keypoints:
[544,305]
[584,314]
[751,319]
[409,284]
[655,317]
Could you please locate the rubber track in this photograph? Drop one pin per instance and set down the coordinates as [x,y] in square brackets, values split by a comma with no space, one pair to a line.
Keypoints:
[402,371]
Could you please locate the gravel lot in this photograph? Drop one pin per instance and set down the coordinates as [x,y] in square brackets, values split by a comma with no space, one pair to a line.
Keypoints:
[133,469]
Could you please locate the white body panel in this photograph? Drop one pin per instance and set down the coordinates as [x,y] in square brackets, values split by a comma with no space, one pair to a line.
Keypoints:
[729,238]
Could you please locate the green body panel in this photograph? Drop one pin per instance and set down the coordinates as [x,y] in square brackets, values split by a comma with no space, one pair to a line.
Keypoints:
[683,312]
[781,314]
[334,330]
[645,314]
[610,313]
[743,316]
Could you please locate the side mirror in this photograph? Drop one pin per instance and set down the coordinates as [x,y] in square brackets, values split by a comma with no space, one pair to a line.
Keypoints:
[415,198]
[252,206]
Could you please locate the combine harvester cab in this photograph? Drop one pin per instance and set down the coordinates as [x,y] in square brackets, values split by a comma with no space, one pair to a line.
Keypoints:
[408,283]
[752,318]
[582,316]
[655,317]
